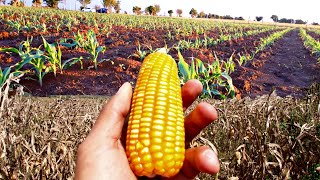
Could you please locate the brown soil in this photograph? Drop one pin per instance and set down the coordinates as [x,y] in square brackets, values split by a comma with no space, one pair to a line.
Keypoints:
[288,66]
[316,36]
[289,69]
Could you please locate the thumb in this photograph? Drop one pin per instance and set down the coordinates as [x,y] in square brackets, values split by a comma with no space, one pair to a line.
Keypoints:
[110,121]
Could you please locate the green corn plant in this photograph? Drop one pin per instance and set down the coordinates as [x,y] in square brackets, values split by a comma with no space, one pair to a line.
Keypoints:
[68,42]
[211,77]
[93,47]
[241,60]
[4,75]
[6,78]
[23,51]
[80,40]
[169,35]
[38,61]
[268,41]
[53,55]
[68,63]
[229,65]
[15,25]
[310,43]
[43,26]
[141,54]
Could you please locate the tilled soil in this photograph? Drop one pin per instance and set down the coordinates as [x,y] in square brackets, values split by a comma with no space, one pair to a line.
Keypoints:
[289,70]
[287,66]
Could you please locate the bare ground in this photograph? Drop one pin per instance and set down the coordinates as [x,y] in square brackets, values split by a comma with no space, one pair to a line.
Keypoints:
[289,69]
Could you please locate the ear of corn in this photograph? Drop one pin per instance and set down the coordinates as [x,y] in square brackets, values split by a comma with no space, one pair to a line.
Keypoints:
[155,136]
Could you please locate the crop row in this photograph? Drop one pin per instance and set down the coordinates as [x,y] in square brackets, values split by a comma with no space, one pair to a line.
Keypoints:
[310,43]
[209,41]
[44,20]
[49,59]
[215,77]
[37,62]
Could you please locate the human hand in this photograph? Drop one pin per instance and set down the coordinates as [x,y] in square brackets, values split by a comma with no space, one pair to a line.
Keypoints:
[102,156]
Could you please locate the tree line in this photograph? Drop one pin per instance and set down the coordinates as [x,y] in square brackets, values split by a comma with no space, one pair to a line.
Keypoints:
[110,4]
[152,10]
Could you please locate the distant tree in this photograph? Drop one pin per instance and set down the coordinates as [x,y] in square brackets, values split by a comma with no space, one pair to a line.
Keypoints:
[3,1]
[227,17]
[117,7]
[17,3]
[151,10]
[109,4]
[157,9]
[136,10]
[315,23]
[84,3]
[193,12]
[37,3]
[259,18]
[202,14]
[170,12]
[179,12]
[284,20]
[290,21]
[52,3]
[239,18]
[275,18]
[299,21]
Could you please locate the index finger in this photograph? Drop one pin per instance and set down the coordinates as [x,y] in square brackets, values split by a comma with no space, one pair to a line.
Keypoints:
[190,92]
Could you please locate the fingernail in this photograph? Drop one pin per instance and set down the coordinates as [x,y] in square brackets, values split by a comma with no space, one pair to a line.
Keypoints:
[210,155]
[122,88]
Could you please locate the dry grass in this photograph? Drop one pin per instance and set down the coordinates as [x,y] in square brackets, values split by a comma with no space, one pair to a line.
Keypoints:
[267,137]
[39,136]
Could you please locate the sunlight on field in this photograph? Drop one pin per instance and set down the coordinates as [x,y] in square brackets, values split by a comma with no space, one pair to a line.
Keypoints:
[57,69]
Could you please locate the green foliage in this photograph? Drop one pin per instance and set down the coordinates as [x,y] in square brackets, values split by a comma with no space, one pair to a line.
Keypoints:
[275,18]
[141,54]
[117,7]
[52,3]
[53,55]
[38,61]
[268,41]
[136,10]
[17,3]
[214,77]
[310,43]
[179,12]
[299,21]
[259,18]
[93,47]
[193,12]
[157,8]
[6,74]
[151,10]
[37,3]
[84,2]
[201,14]
[109,4]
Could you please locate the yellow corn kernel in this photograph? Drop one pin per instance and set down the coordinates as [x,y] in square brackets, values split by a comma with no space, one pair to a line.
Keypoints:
[156,114]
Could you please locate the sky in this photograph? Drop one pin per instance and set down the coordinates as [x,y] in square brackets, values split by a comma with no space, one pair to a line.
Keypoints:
[307,10]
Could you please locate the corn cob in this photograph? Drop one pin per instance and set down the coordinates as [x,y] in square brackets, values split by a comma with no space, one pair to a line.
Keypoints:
[155,135]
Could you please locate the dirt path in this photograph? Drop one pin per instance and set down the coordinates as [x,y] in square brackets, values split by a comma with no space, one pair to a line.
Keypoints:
[289,69]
